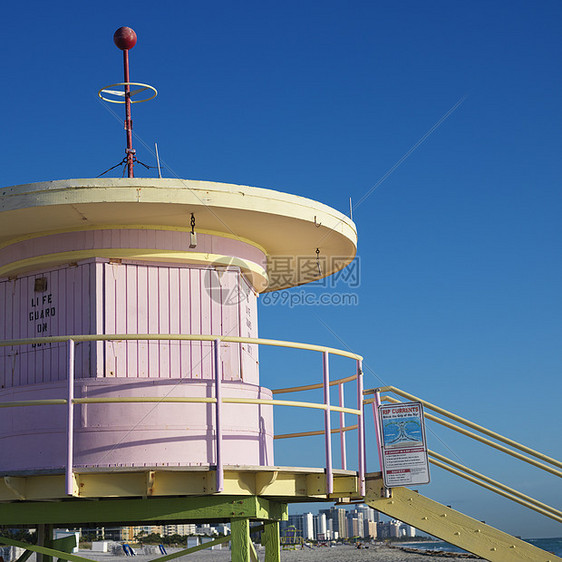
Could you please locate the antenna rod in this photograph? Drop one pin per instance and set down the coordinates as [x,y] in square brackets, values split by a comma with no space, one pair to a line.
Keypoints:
[158,160]
[125,39]
[128,120]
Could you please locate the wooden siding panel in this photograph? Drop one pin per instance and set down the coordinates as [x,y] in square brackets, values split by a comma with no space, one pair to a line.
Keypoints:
[206,284]
[195,324]
[230,317]
[63,309]
[174,321]
[163,297]
[102,297]
[184,321]
[109,320]
[97,361]
[153,317]
[131,317]
[4,351]
[142,320]
[248,329]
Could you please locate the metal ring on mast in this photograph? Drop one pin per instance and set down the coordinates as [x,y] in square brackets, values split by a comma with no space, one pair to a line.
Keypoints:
[121,93]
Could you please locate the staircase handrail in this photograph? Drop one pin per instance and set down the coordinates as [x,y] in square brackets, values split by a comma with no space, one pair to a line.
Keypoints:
[472,425]
[494,485]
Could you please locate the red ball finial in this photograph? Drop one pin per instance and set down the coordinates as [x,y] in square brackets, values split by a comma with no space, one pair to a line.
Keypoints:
[125,38]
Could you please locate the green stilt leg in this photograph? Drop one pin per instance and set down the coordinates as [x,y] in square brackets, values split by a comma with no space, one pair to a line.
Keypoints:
[45,538]
[271,541]
[240,539]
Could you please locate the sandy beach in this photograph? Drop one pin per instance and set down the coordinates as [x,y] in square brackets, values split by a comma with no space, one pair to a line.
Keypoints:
[343,553]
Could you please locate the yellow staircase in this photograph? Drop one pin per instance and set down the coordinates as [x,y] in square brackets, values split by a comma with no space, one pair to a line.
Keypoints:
[446,523]
[449,525]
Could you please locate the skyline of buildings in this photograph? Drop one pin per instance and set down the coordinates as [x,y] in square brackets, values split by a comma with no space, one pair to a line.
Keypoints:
[333,523]
[340,523]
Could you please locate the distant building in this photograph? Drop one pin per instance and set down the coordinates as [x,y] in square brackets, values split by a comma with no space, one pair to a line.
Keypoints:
[371,531]
[340,522]
[355,524]
[383,531]
[223,529]
[394,529]
[308,526]
[205,529]
[410,531]
[188,529]
[320,527]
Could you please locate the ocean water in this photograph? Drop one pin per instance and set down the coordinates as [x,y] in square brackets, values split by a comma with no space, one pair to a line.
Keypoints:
[553,545]
[550,545]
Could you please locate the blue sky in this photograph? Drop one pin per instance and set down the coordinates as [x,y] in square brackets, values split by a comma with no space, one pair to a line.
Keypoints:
[459,246]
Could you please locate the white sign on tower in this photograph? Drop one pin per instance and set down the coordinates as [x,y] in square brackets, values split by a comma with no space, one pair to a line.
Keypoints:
[404,450]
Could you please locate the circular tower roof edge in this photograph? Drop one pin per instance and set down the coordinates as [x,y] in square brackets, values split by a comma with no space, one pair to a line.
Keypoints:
[288,227]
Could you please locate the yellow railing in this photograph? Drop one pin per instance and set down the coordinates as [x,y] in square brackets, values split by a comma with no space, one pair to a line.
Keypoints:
[499,444]
[182,337]
[452,421]
[218,400]
[342,429]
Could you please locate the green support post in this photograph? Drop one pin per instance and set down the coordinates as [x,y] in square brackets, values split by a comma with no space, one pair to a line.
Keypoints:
[45,538]
[271,540]
[240,539]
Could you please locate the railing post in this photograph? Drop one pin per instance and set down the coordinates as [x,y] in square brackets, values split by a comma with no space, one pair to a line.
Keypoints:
[218,408]
[361,428]
[376,403]
[70,422]
[327,424]
[342,425]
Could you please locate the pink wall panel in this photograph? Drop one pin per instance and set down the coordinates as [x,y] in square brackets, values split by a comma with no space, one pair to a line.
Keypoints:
[142,298]
[174,321]
[164,310]
[215,316]
[248,329]
[230,322]
[142,320]
[153,325]
[195,321]
[63,309]
[205,282]
[52,356]
[135,435]
[96,304]
[186,349]
[3,351]
[98,296]
[24,329]
[128,238]
[130,315]
[110,348]
[79,311]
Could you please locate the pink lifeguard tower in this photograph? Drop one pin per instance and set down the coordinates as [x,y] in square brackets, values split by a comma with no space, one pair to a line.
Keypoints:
[129,353]
[130,386]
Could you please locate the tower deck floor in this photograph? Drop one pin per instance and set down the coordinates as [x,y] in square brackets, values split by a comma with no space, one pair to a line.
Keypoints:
[279,483]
